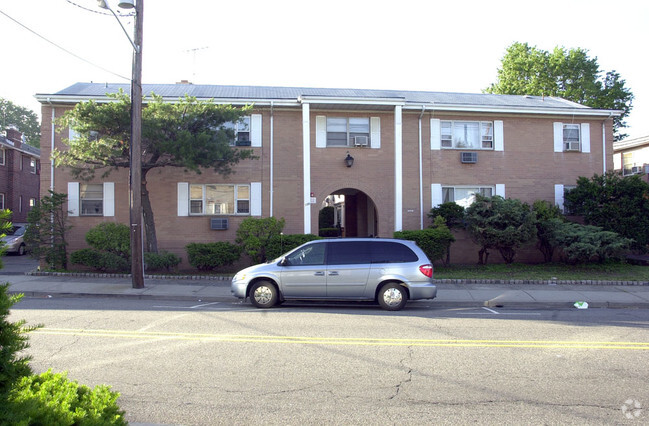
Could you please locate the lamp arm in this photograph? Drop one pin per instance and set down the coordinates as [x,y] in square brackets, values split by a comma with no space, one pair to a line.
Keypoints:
[137,48]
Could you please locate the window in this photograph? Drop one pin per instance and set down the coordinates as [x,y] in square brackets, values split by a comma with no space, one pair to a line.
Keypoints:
[312,254]
[388,252]
[32,202]
[32,165]
[566,189]
[214,199]
[571,137]
[91,199]
[464,196]
[467,134]
[2,157]
[352,131]
[241,131]
[2,201]
[348,253]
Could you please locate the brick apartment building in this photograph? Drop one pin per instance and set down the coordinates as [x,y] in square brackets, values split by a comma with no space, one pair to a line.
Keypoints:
[411,151]
[19,174]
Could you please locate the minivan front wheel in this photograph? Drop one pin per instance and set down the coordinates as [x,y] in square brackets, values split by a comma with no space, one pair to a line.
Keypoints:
[392,297]
[263,294]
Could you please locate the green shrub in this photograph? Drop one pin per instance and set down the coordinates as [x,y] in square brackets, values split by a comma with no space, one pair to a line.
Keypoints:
[326,217]
[207,256]
[254,235]
[329,232]
[111,237]
[584,243]
[101,261]
[435,242]
[52,399]
[281,244]
[161,261]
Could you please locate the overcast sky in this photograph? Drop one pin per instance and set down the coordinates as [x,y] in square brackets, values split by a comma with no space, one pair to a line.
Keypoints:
[450,46]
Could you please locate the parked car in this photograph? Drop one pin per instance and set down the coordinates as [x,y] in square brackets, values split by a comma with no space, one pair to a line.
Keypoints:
[14,240]
[388,271]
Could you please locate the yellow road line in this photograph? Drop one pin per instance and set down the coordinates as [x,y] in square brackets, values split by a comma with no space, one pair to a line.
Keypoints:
[348,340]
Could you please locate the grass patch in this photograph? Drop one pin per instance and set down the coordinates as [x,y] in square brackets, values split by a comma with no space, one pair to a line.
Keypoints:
[559,271]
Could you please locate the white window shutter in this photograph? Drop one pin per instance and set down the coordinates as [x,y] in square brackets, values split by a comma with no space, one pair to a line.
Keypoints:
[321,131]
[183,199]
[109,199]
[255,199]
[72,135]
[436,194]
[499,137]
[558,137]
[73,198]
[435,134]
[375,132]
[585,137]
[255,130]
[500,189]
[558,196]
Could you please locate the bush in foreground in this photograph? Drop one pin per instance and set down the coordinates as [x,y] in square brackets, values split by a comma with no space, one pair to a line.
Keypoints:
[208,256]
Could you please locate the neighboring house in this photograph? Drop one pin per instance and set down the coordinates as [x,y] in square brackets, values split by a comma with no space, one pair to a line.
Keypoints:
[631,156]
[19,174]
[411,151]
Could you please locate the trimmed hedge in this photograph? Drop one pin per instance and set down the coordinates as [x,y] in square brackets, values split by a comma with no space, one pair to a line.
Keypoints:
[435,242]
[100,260]
[159,261]
[208,256]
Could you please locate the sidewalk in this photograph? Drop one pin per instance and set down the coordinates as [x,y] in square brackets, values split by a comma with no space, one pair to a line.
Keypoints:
[456,294]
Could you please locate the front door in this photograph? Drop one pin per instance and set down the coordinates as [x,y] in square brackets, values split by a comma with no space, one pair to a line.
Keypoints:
[303,274]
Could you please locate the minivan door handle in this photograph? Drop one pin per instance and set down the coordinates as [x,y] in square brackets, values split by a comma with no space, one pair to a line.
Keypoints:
[319,274]
[333,273]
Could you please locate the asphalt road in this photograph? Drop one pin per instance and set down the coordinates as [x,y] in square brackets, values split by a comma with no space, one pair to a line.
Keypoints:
[226,363]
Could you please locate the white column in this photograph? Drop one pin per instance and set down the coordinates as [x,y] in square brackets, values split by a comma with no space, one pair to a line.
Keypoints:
[306,165]
[398,170]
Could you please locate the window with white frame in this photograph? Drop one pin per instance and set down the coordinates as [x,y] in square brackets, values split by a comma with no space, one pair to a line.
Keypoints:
[2,157]
[32,165]
[241,129]
[566,190]
[467,134]
[219,199]
[465,195]
[2,201]
[32,202]
[91,199]
[571,137]
[350,131]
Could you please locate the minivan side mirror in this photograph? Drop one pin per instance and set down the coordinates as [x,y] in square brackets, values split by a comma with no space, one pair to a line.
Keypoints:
[284,262]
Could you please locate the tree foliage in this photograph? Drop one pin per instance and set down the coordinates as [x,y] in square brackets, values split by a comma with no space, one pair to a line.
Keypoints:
[569,74]
[584,243]
[549,221]
[45,236]
[189,134]
[614,203]
[501,224]
[24,119]
[435,241]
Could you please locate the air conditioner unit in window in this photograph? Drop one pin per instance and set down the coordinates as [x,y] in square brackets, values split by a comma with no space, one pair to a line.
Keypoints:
[360,140]
[219,224]
[469,157]
[636,170]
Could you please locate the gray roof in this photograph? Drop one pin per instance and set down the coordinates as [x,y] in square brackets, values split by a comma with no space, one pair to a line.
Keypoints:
[631,143]
[294,94]
[27,149]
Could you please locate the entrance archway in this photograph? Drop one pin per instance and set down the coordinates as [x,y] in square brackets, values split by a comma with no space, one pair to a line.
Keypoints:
[355,213]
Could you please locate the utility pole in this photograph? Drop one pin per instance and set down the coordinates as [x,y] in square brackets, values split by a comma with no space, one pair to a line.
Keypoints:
[135,184]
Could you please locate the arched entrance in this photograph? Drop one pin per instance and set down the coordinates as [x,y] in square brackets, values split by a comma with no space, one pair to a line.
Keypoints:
[354,213]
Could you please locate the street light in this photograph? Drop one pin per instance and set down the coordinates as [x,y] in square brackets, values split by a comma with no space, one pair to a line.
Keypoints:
[135,148]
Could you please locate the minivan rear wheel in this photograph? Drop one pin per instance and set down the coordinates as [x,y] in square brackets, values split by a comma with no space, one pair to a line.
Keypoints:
[263,294]
[392,297]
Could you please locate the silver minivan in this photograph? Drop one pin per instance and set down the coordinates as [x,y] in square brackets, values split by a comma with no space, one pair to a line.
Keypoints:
[388,271]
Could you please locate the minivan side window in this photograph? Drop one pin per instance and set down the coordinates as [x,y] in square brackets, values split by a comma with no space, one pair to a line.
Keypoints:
[348,253]
[389,252]
[313,254]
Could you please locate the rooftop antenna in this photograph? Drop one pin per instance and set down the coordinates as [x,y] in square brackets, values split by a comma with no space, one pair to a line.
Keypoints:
[193,51]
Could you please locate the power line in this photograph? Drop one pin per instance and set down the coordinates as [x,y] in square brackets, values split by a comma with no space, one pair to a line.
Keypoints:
[64,49]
